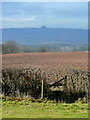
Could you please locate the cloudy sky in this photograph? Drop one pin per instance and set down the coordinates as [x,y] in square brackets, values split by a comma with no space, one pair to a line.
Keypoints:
[50,14]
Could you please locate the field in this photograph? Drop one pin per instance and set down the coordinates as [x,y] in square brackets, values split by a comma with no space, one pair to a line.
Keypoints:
[27,109]
[61,60]
[60,63]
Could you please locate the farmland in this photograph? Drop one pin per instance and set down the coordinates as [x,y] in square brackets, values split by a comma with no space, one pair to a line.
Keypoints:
[44,60]
[49,62]
[61,60]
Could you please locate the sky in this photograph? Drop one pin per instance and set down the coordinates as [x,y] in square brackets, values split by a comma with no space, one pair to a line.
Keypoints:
[50,14]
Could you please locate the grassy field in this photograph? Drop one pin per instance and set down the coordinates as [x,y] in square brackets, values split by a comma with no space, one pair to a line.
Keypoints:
[28,109]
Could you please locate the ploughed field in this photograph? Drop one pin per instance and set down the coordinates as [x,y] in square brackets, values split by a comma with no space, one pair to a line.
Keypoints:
[63,61]
[51,62]
[58,60]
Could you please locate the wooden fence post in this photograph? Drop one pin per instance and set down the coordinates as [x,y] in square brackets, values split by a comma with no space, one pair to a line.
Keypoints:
[65,88]
[42,90]
[65,83]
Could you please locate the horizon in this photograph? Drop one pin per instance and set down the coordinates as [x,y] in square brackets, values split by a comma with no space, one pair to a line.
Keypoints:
[43,28]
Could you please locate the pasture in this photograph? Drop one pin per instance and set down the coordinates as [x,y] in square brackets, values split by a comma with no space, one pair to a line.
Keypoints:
[49,109]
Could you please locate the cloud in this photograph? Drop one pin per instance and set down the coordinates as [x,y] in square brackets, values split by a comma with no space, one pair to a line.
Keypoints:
[21,19]
[68,22]
[36,14]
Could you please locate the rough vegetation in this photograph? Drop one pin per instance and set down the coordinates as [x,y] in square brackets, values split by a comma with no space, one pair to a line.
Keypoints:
[19,83]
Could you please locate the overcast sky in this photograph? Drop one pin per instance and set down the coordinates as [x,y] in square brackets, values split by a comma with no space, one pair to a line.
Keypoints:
[50,14]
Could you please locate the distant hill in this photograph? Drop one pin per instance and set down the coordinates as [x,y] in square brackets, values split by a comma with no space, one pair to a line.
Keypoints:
[29,36]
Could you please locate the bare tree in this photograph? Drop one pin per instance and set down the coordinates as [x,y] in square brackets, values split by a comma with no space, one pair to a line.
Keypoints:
[10,47]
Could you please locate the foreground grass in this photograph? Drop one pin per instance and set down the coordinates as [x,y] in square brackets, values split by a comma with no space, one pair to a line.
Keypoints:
[28,109]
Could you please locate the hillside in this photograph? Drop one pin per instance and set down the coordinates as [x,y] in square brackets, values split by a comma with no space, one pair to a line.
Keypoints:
[29,36]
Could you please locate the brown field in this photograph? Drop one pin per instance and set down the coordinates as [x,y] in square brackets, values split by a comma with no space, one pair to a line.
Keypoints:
[62,62]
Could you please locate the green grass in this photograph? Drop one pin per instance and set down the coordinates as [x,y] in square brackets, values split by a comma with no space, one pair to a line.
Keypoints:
[28,109]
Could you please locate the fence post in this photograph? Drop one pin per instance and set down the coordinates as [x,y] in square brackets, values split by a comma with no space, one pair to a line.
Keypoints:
[42,90]
[65,83]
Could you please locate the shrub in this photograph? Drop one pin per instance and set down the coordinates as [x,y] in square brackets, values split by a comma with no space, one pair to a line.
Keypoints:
[23,82]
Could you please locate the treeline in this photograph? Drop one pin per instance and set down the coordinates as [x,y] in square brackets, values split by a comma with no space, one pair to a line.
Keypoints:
[13,47]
